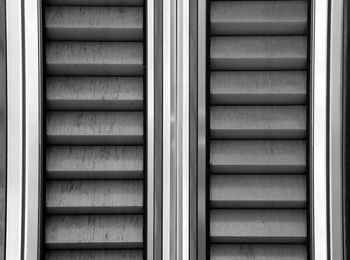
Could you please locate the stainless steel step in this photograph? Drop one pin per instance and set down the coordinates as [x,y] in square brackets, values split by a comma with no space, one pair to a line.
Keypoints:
[258,87]
[258,122]
[94,23]
[257,157]
[258,226]
[98,128]
[257,191]
[97,93]
[258,53]
[94,197]
[94,58]
[94,232]
[94,162]
[258,252]
[258,17]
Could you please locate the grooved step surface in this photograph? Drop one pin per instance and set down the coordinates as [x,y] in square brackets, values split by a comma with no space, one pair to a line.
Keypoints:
[258,87]
[94,128]
[94,58]
[258,226]
[253,191]
[94,232]
[94,255]
[263,157]
[258,252]
[257,122]
[98,93]
[96,2]
[258,53]
[94,197]
[94,23]
[258,129]
[258,17]
[94,134]
[94,162]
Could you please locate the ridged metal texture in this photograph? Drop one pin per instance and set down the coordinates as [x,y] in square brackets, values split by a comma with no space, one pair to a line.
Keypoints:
[258,130]
[94,129]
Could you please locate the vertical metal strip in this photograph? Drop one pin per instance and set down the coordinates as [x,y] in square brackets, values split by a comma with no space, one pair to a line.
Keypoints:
[3,131]
[335,130]
[182,107]
[318,158]
[169,130]
[15,139]
[202,126]
[158,129]
[33,80]
[193,92]
[183,164]
[150,129]
[176,129]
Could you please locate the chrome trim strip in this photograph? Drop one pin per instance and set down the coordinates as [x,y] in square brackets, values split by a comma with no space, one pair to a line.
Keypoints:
[15,131]
[169,130]
[318,156]
[183,128]
[335,131]
[202,126]
[33,102]
[150,128]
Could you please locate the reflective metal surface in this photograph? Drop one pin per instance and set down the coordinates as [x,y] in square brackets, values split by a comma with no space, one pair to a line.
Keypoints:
[33,128]
[202,139]
[318,146]
[150,128]
[335,130]
[15,131]
[169,130]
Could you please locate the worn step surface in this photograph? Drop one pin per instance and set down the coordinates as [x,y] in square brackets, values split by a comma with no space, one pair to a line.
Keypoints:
[258,122]
[93,254]
[258,87]
[94,23]
[98,93]
[96,2]
[94,162]
[256,191]
[258,252]
[258,226]
[94,128]
[94,232]
[262,157]
[258,53]
[258,17]
[94,58]
[94,134]
[94,197]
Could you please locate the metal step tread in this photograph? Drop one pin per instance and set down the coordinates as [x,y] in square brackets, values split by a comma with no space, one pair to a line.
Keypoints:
[93,254]
[94,128]
[94,23]
[97,93]
[258,122]
[258,226]
[258,17]
[256,191]
[258,87]
[258,156]
[258,252]
[94,162]
[258,53]
[94,58]
[94,232]
[94,197]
